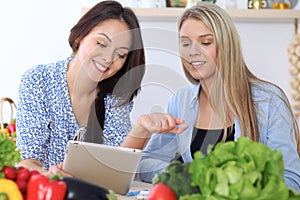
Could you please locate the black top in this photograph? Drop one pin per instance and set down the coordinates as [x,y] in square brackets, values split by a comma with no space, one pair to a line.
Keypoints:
[203,138]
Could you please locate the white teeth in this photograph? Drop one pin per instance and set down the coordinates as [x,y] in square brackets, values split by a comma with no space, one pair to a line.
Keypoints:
[197,63]
[100,67]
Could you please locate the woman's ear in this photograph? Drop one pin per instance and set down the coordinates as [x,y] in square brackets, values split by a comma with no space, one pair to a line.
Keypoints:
[76,45]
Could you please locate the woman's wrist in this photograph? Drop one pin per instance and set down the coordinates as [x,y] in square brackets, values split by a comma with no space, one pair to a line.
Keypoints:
[32,164]
[137,138]
[140,132]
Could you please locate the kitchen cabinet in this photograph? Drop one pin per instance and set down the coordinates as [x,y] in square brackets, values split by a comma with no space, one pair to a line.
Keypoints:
[240,15]
[237,14]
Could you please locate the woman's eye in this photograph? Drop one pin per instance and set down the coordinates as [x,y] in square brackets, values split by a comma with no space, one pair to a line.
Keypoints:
[102,45]
[206,43]
[121,55]
[185,41]
[185,44]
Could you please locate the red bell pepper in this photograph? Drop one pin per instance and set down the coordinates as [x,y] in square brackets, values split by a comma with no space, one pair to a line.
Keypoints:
[11,128]
[41,187]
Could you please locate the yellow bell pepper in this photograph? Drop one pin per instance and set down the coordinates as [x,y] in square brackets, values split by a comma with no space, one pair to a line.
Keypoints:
[11,189]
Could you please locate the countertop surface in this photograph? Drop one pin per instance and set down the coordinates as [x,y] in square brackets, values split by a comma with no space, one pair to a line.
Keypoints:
[135,189]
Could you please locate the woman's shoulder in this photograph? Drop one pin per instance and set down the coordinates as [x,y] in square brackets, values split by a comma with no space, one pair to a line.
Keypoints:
[188,90]
[46,71]
[117,101]
[266,91]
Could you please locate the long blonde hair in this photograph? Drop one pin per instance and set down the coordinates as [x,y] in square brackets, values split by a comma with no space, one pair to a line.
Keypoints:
[235,77]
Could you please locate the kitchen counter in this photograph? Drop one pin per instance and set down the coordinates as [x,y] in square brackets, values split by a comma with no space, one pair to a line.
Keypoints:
[135,187]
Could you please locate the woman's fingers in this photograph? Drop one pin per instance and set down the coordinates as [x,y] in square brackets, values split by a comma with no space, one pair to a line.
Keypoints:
[170,124]
[180,129]
[175,125]
[161,123]
[60,166]
[179,121]
[57,170]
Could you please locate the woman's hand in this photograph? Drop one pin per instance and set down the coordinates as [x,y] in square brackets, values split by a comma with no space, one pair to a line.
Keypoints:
[152,123]
[57,170]
[161,123]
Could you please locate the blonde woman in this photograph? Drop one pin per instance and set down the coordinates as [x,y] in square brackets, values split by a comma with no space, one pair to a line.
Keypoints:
[225,100]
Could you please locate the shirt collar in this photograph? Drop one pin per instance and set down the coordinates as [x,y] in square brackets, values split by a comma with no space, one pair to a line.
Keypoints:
[195,88]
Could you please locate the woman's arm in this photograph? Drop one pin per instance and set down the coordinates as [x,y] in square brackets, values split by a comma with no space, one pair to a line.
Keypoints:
[31,121]
[280,135]
[32,164]
[152,123]
[161,148]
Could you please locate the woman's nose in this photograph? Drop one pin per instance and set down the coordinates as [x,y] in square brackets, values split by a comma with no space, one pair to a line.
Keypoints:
[195,49]
[107,57]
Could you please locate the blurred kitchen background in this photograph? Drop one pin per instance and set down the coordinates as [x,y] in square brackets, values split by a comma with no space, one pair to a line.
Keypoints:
[36,31]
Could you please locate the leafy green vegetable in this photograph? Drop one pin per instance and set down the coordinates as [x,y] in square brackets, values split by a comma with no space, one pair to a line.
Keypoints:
[111,195]
[239,170]
[9,155]
[177,178]
[212,1]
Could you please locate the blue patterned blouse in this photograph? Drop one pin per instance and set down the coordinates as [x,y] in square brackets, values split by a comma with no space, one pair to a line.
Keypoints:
[45,120]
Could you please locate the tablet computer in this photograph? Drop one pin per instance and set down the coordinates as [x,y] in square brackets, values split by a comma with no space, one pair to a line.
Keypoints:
[110,167]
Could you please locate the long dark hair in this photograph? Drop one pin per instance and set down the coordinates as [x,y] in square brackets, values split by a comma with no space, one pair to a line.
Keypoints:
[126,83]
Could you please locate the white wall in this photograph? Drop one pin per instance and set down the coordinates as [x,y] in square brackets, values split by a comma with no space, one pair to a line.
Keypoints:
[36,31]
[32,32]
[264,47]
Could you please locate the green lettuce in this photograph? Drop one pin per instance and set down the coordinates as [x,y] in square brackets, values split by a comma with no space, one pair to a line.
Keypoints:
[239,170]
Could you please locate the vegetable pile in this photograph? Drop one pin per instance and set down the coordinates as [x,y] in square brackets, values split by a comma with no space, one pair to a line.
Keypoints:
[178,178]
[21,184]
[234,170]
[9,155]
[8,128]
[16,182]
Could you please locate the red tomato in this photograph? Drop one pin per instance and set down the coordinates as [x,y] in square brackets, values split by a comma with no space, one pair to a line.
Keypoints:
[11,128]
[9,172]
[23,174]
[161,192]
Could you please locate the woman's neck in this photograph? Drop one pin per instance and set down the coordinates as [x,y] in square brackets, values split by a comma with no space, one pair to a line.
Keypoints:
[79,84]
[83,92]
[206,85]
[209,116]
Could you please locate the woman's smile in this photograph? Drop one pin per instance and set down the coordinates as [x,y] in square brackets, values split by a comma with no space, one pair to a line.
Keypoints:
[197,64]
[100,67]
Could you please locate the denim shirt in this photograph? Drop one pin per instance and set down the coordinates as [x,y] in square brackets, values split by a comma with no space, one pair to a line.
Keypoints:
[45,118]
[274,123]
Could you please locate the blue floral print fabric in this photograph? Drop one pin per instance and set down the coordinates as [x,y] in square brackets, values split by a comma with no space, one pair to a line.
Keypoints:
[45,119]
